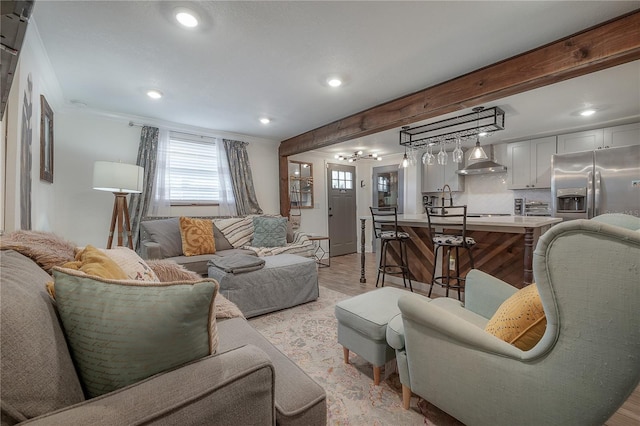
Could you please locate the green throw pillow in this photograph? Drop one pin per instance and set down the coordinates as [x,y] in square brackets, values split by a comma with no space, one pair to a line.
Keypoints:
[269,231]
[122,331]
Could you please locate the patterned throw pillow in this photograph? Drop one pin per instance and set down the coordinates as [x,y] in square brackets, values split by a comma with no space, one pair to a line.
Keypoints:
[121,332]
[197,236]
[269,231]
[237,230]
[520,320]
[132,264]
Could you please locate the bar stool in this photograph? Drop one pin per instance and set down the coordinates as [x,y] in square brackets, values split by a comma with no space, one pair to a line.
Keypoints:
[450,243]
[385,226]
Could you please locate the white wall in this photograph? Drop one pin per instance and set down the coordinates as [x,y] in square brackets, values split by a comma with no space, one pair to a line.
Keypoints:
[35,62]
[70,207]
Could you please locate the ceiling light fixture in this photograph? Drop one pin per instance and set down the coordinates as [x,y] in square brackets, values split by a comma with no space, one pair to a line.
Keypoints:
[587,112]
[334,82]
[154,94]
[358,155]
[265,120]
[186,18]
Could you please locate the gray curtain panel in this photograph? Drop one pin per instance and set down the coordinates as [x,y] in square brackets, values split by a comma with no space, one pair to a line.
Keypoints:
[241,178]
[147,158]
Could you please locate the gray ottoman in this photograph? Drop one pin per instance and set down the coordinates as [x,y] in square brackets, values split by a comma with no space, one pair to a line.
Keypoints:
[286,280]
[362,326]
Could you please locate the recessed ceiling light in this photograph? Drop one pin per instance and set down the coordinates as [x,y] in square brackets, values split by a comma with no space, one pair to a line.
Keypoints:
[334,82]
[186,18]
[154,94]
[587,112]
[265,120]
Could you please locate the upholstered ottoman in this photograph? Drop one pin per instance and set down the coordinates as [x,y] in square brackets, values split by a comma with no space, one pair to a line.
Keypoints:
[286,280]
[362,326]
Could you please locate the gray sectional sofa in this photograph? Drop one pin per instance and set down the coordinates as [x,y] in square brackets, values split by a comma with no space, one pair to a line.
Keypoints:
[160,239]
[248,380]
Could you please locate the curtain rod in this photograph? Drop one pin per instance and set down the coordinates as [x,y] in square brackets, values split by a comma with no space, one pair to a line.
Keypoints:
[132,124]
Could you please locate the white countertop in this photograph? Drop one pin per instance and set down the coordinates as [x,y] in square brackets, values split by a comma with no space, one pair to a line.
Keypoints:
[420,220]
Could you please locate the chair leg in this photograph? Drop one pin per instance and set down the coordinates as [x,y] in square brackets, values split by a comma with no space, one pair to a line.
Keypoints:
[376,375]
[446,265]
[405,265]
[345,353]
[381,262]
[458,280]
[406,397]
[435,263]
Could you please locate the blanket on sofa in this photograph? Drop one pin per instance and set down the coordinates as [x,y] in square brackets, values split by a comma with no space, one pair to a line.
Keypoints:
[237,264]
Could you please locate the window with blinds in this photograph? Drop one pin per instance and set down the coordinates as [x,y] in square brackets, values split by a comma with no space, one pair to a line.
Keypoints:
[193,170]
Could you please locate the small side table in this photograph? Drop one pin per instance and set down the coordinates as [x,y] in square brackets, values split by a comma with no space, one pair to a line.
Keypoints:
[322,255]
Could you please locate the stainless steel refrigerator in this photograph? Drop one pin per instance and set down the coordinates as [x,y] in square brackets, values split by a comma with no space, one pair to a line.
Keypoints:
[591,183]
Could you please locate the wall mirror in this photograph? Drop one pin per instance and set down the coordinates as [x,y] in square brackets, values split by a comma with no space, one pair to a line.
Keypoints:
[300,184]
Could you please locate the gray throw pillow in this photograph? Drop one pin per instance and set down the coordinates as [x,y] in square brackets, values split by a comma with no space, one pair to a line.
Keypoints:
[165,232]
[269,231]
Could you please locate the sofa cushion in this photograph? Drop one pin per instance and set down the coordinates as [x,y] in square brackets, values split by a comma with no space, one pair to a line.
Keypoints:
[121,332]
[165,232]
[95,262]
[520,320]
[37,373]
[269,231]
[197,236]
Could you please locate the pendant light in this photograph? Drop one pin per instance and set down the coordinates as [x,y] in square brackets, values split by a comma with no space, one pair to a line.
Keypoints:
[477,153]
[405,160]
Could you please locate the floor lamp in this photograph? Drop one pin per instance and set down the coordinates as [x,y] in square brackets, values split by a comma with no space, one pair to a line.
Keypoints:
[121,179]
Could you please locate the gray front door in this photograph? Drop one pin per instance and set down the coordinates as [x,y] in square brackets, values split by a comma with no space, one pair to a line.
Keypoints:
[342,209]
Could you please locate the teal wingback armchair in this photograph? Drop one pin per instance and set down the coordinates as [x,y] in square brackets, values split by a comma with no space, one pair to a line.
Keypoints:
[581,371]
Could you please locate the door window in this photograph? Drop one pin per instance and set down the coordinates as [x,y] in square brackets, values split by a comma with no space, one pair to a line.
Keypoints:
[341,180]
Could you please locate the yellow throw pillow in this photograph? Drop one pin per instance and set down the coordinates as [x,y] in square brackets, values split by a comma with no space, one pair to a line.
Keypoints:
[197,236]
[520,320]
[93,261]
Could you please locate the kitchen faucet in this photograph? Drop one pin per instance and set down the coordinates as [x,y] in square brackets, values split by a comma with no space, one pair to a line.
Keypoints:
[450,197]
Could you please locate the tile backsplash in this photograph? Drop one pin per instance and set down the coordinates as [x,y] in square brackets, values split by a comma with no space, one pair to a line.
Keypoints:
[489,194]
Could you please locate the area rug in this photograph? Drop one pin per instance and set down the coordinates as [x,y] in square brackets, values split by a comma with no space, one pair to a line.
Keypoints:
[308,335]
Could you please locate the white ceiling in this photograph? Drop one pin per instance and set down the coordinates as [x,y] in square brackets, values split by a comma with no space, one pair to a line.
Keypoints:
[267,58]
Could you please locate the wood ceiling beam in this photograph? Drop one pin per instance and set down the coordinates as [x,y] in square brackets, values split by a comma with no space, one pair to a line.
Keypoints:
[606,45]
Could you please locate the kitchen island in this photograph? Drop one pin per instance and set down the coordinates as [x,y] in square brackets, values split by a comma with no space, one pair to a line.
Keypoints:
[504,245]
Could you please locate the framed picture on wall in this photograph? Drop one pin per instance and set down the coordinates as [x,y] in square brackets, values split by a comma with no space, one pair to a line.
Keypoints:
[46,141]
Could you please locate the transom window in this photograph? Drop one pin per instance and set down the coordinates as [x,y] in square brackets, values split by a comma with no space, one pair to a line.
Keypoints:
[341,179]
[192,169]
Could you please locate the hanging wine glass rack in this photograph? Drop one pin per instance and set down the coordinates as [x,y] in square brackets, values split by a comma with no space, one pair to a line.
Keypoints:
[464,127]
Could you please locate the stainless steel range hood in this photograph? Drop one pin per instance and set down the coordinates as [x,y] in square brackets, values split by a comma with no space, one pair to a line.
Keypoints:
[483,166]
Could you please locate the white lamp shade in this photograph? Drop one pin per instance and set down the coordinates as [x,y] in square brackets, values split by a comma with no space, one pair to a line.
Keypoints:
[117,177]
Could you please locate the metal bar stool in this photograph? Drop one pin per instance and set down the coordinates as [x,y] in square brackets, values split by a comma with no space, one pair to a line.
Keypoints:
[385,225]
[450,245]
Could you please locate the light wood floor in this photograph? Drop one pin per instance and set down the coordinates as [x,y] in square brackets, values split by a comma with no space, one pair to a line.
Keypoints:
[344,276]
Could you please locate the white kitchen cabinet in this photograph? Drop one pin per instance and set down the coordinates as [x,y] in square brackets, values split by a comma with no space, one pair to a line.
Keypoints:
[435,177]
[610,137]
[587,140]
[529,163]
[625,135]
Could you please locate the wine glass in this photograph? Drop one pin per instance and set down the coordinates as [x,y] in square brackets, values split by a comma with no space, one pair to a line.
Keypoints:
[431,159]
[442,155]
[457,154]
